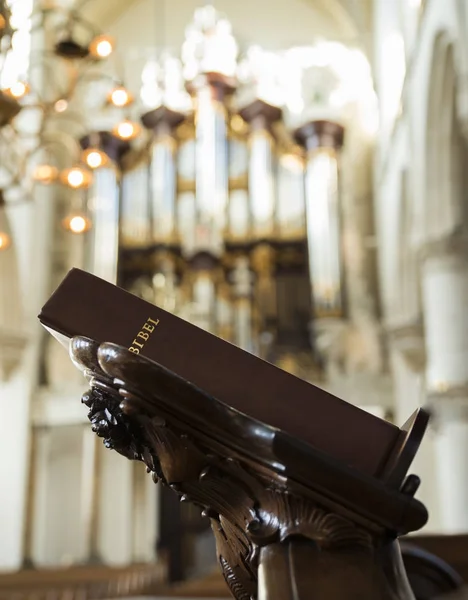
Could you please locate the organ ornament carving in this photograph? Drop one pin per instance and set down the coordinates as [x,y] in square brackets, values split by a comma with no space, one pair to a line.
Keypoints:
[288,521]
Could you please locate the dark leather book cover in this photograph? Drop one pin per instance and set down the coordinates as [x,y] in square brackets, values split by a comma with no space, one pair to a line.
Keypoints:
[89,306]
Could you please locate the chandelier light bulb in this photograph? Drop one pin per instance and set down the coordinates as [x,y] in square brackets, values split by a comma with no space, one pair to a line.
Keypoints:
[45,174]
[101,47]
[61,105]
[94,158]
[19,89]
[5,240]
[126,130]
[120,97]
[76,177]
[76,223]
[104,48]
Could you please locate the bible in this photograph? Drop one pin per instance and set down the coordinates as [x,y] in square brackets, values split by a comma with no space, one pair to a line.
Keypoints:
[85,305]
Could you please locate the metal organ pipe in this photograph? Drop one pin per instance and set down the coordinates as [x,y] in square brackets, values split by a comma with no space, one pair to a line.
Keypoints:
[242,281]
[103,202]
[162,186]
[262,171]
[135,223]
[212,178]
[322,140]
[163,181]
[262,184]
[102,252]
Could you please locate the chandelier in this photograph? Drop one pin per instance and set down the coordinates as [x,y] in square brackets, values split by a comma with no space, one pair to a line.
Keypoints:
[41,93]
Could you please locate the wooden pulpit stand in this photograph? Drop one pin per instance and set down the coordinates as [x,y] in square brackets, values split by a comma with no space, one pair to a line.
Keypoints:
[290,522]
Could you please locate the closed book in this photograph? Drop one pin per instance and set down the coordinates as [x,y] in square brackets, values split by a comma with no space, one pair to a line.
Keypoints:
[85,305]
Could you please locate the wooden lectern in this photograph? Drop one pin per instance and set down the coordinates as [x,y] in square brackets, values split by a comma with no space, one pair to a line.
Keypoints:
[290,522]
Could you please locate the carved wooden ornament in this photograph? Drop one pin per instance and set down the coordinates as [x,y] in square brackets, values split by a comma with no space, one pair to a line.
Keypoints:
[290,523]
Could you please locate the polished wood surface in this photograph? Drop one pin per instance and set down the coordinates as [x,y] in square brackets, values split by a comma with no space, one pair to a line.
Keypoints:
[290,522]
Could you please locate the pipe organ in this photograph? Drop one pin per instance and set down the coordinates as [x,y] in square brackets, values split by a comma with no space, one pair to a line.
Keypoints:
[226,217]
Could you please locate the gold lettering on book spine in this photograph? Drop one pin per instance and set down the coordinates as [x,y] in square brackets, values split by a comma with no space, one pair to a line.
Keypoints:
[143,335]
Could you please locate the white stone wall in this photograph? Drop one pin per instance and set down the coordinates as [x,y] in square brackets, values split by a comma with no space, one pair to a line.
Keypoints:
[33,245]
[420,210]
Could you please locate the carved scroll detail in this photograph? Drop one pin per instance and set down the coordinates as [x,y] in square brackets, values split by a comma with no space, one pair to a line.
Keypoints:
[247,509]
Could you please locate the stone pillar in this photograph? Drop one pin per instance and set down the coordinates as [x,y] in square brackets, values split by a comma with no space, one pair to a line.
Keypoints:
[451,465]
[407,360]
[36,528]
[90,471]
[445,303]
[145,515]
[115,527]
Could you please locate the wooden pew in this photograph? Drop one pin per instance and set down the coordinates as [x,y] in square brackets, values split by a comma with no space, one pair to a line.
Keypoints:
[82,583]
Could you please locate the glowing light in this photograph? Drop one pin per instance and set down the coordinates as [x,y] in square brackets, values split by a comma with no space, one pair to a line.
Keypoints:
[209,45]
[163,83]
[126,130]
[45,174]
[76,177]
[120,97]
[19,89]
[94,158]
[61,106]
[263,70]
[102,46]
[292,162]
[77,223]
[16,60]
[5,240]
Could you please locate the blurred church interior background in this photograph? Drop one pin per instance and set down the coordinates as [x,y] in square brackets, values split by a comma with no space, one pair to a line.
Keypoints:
[287,174]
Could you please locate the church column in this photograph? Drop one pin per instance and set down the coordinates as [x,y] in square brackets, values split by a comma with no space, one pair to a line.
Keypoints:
[445,300]
[407,360]
[115,506]
[90,494]
[35,543]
